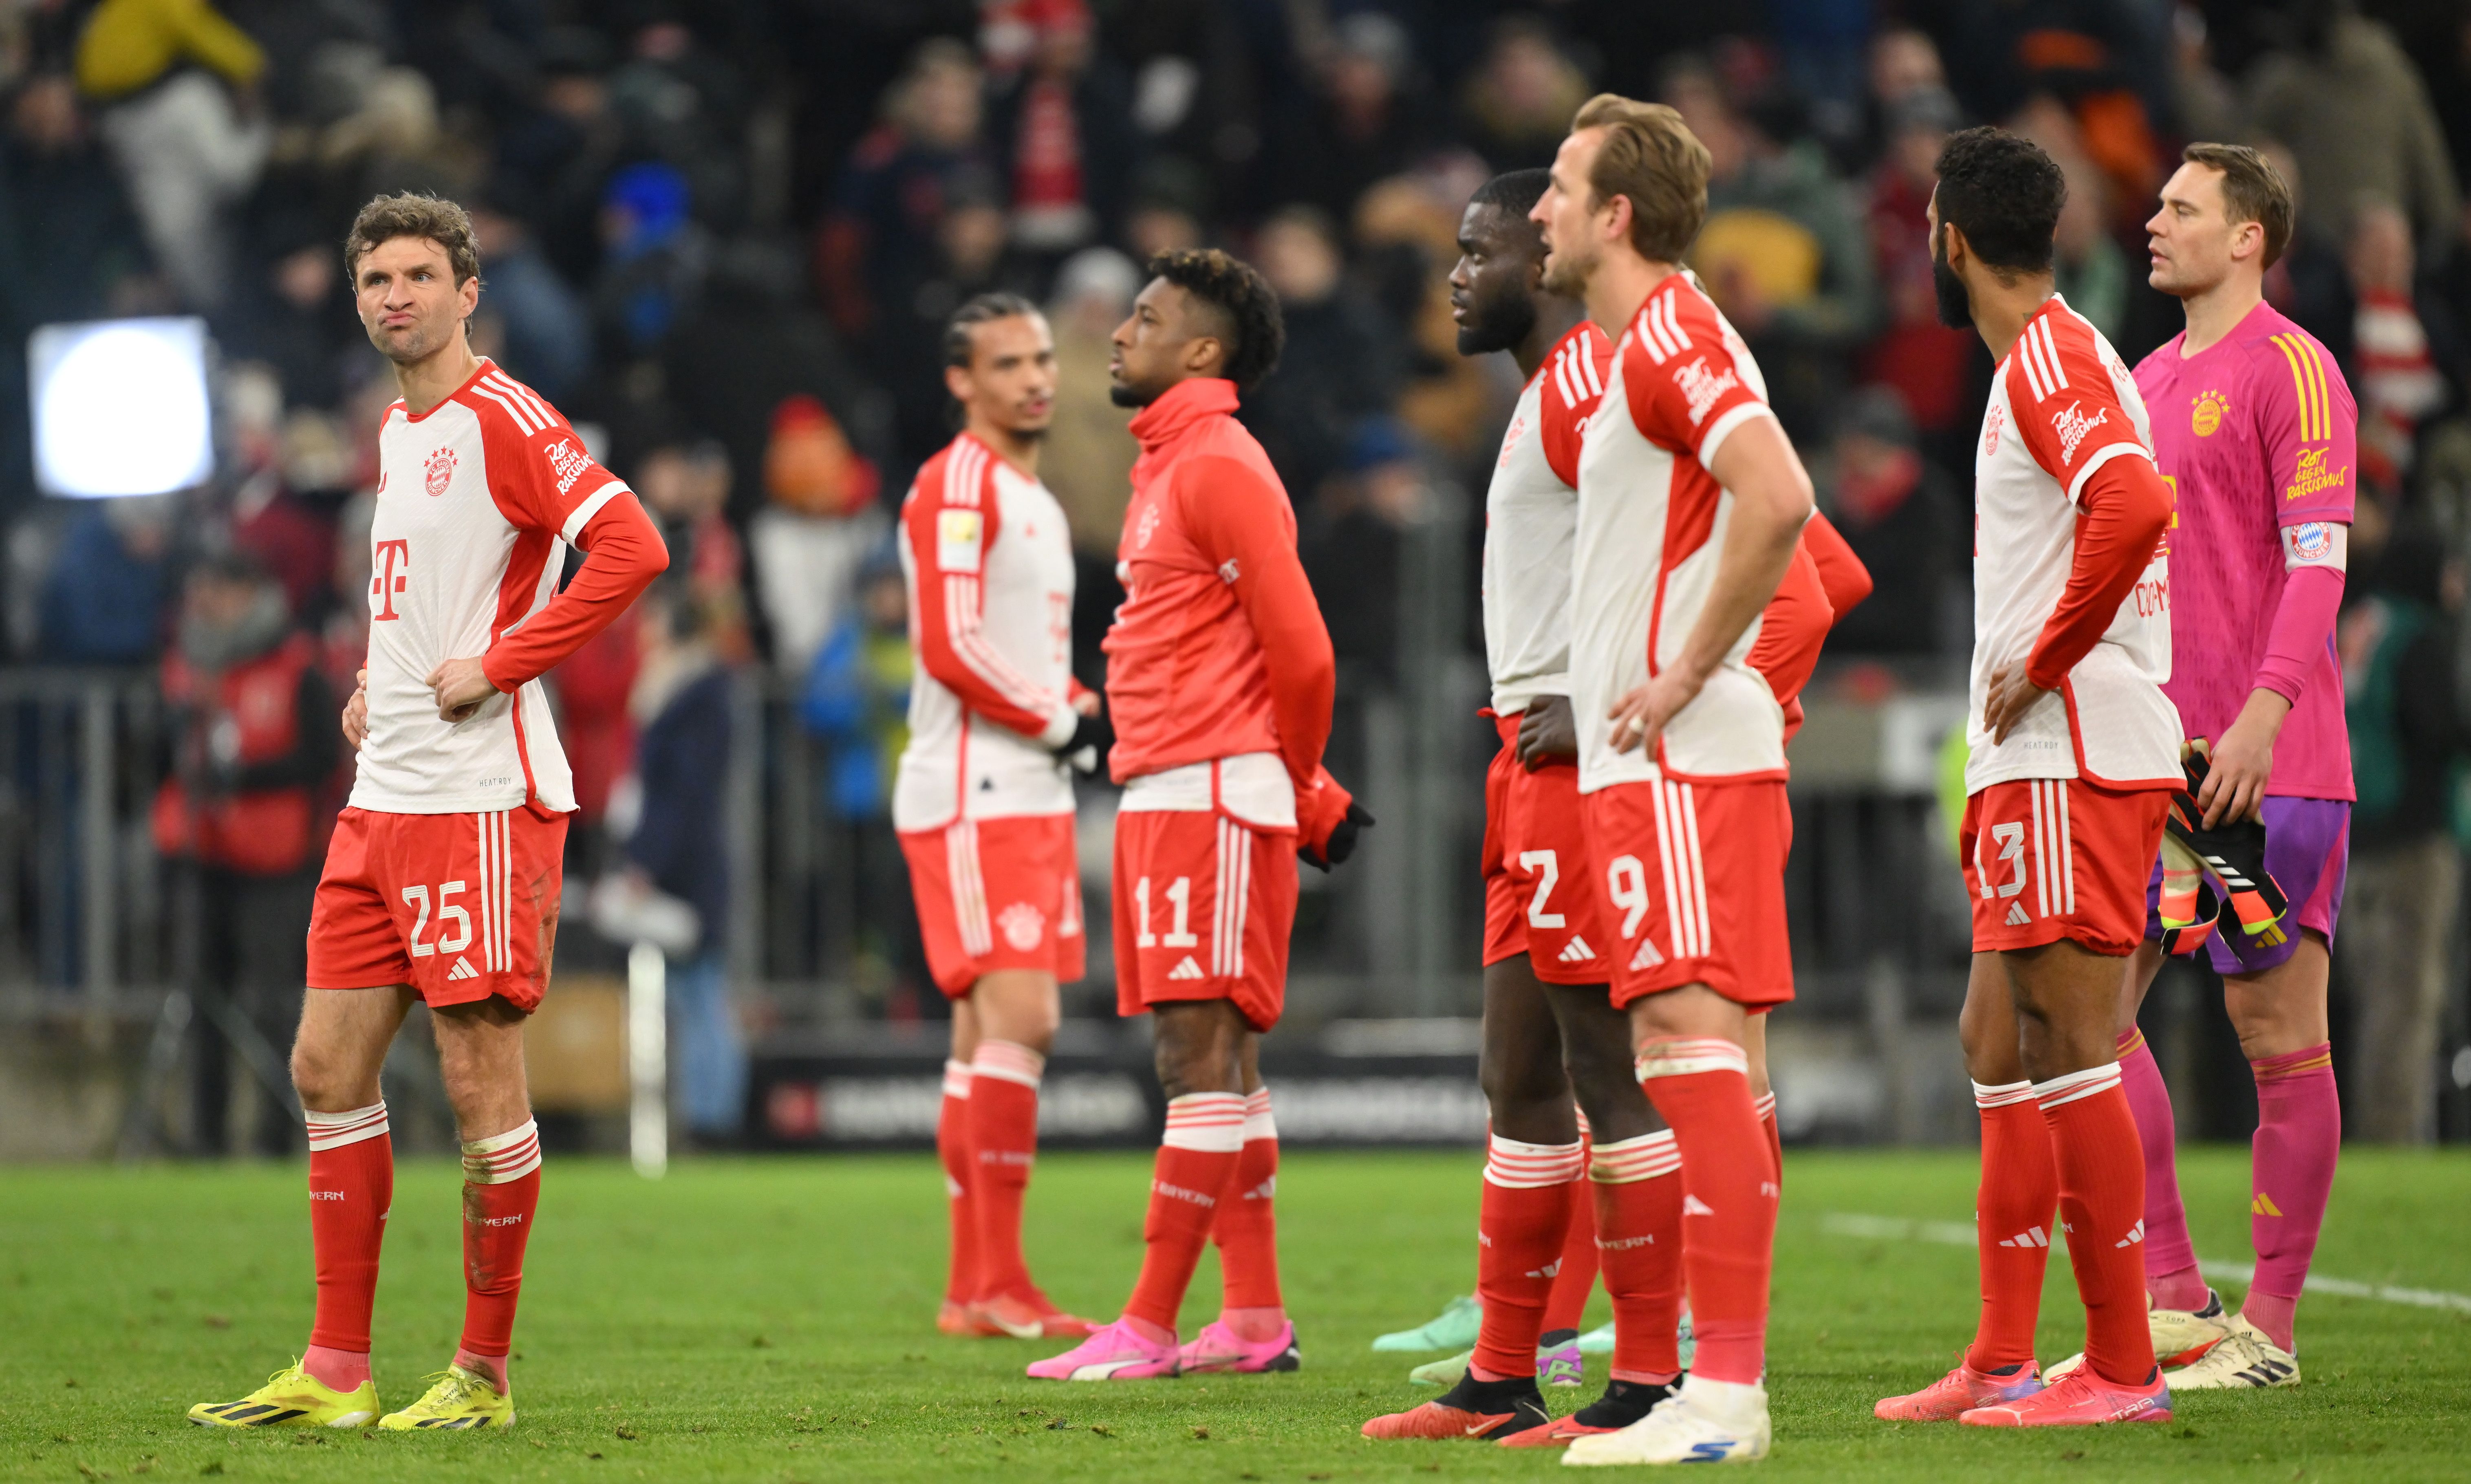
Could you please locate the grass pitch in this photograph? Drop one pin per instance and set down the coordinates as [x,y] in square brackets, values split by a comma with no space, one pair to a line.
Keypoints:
[771,1320]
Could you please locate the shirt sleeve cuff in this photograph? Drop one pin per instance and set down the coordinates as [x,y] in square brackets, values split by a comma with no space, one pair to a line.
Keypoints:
[2095,460]
[590,507]
[1726,422]
[1060,729]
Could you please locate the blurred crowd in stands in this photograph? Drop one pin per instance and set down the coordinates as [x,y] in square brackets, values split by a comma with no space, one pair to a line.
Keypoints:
[722,237]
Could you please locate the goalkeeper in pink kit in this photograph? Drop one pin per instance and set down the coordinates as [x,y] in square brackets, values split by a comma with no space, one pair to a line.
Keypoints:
[2256,432]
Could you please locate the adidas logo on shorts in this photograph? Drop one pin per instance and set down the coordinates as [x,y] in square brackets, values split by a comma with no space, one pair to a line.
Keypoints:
[2017,916]
[1647,957]
[1186,970]
[1576,951]
[462,969]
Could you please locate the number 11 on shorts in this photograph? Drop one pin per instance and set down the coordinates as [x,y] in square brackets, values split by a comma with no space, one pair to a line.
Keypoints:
[1179,896]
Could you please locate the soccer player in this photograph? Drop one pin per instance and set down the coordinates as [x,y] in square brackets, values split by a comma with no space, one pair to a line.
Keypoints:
[2074,758]
[1219,681]
[2255,430]
[1536,1243]
[1541,890]
[1691,504]
[442,884]
[983,797]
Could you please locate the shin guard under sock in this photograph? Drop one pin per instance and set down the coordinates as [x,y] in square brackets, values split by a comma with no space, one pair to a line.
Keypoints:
[2299,1139]
[351,1187]
[2013,1216]
[2171,1275]
[1003,1145]
[1566,1306]
[1521,1227]
[1247,1226]
[1196,1165]
[1638,1247]
[500,1192]
[1701,1087]
[2102,1208]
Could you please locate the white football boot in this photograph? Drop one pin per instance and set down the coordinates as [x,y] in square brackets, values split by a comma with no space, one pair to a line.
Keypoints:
[1703,1423]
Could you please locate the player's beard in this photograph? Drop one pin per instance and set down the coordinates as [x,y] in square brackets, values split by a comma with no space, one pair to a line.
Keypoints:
[1497,326]
[1955,304]
[1566,275]
[1126,394]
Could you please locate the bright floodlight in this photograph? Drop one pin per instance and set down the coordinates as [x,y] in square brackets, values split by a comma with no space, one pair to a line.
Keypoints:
[119,407]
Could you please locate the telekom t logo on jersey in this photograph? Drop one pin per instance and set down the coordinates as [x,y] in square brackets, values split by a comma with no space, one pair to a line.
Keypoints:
[393,558]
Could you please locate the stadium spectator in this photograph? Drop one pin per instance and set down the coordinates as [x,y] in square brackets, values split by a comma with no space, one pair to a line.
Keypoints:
[548,329]
[65,220]
[1923,359]
[653,257]
[2349,103]
[1783,251]
[2393,361]
[1517,103]
[888,208]
[1364,120]
[2404,890]
[177,86]
[1342,361]
[253,747]
[1065,130]
[103,597]
[2209,106]
[1088,462]
[810,539]
[1900,514]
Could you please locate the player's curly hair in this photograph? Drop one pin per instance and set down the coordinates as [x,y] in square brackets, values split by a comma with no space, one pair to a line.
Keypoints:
[2003,194]
[1256,331]
[442,222]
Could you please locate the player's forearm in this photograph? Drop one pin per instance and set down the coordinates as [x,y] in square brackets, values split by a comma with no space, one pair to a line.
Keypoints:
[1297,658]
[1840,573]
[2126,507]
[2303,625]
[622,553]
[964,663]
[1758,547]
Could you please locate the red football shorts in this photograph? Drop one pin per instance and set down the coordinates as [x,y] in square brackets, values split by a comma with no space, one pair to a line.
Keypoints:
[1204,905]
[1540,896]
[997,894]
[2047,859]
[1693,877]
[459,907]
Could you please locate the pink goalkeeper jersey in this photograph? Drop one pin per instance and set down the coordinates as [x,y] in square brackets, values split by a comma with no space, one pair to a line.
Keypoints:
[2256,435]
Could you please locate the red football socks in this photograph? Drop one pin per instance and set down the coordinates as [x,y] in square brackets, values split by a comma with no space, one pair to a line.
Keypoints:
[1197,1166]
[1247,1229]
[351,1185]
[2012,1220]
[1522,1224]
[2102,1208]
[1702,1088]
[500,1191]
[952,1147]
[2171,1273]
[1638,1246]
[2298,1138]
[1566,1306]
[1004,1143]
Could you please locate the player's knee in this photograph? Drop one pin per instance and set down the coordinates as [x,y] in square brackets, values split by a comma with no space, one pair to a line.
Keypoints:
[322,1080]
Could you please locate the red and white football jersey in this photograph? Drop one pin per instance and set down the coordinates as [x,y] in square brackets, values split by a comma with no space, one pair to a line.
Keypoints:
[1651,522]
[1531,516]
[478,500]
[2061,406]
[988,561]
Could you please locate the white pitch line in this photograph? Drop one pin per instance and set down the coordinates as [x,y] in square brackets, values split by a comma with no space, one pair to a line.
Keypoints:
[1956,1234]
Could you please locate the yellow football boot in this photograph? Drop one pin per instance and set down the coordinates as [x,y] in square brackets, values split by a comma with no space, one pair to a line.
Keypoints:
[292,1397]
[460,1398]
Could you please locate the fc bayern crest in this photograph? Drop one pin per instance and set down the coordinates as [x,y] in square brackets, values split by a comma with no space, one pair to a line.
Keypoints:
[1022,924]
[440,469]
